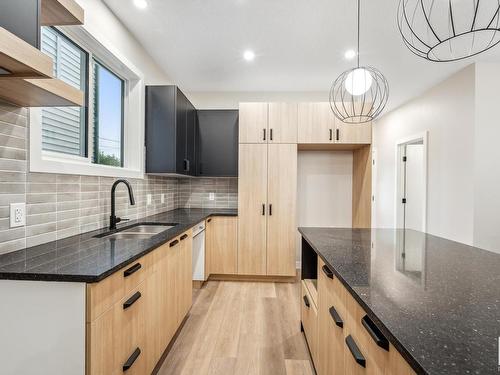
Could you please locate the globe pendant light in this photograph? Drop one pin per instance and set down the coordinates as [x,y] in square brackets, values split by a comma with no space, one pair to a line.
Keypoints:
[449,30]
[360,94]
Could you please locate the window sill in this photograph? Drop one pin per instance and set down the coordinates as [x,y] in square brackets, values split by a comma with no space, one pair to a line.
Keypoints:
[51,163]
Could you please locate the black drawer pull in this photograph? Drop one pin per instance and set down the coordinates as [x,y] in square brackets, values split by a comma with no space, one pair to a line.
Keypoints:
[183,237]
[331,135]
[327,272]
[270,210]
[173,243]
[337,134]
[375,333]
[356,353]
[131,300]
[306,302]
[136,267]
[264,137]
[209,220]
[336,317]
[130,361]
[271,134]
[263,209]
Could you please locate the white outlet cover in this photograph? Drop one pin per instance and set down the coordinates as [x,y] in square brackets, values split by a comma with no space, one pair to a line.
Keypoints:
[211,196]
[148,199]
[17,214]
[163,198]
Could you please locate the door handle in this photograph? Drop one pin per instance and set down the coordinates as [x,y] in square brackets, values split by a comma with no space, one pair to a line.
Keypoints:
[130,361]
[331,135]
[337,134]
[263,209]
[306,302]
[271,134]
[270,210]
[356,353]
[264,135]
[375,333]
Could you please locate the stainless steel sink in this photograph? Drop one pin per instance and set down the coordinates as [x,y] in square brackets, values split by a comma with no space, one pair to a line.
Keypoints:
[138,232]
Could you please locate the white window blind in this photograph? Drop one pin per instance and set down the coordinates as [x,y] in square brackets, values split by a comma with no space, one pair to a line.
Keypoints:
[64,128]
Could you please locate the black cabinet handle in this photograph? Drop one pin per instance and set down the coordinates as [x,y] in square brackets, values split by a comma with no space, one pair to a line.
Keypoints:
[336,317]
[306,302]
[264,136]
[131,300]
[270,210]
[209,220]
[130,361]
[188,165]
[183,237]
[331,135]
[136,267]
[337,134]
[263,209]
[173,243]
[185,165]
[356,353]
[375,333]
[271,134]
[327,271]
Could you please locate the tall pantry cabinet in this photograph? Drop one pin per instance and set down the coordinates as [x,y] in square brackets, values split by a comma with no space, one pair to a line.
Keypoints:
[267,189]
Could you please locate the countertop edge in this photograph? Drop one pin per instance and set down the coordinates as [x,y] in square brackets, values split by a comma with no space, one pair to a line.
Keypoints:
[16,276]
[413,362]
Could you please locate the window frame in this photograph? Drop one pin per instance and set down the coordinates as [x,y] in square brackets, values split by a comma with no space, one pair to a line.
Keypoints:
[133,116]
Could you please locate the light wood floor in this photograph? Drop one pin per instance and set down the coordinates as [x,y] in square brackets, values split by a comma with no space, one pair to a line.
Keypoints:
[243,328]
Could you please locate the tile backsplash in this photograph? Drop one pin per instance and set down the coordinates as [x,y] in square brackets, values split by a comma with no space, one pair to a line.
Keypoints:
[60,205]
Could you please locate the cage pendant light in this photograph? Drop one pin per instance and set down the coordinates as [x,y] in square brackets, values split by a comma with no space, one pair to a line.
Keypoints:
[449,30]
[360,94]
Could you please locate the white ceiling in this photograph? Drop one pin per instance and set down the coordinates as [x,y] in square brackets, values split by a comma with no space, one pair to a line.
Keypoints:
[299,44]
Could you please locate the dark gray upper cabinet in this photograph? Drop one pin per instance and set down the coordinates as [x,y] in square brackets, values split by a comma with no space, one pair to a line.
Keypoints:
[170,131]
[22,18]
[217,143]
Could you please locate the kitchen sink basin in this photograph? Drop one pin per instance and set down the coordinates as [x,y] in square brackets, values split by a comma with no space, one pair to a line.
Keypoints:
[138,231]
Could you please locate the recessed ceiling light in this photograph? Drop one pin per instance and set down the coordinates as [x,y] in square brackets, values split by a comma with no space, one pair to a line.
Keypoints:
[350,54]
[249,55]
[141,4]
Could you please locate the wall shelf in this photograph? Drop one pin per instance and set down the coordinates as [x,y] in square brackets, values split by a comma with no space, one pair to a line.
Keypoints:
[21,59]
[47,92]
[61,12]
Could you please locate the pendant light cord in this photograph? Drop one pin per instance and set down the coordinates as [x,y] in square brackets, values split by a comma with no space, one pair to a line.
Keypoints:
[358,29]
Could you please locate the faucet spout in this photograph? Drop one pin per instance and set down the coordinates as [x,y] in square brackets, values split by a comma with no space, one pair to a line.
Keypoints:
[113,220]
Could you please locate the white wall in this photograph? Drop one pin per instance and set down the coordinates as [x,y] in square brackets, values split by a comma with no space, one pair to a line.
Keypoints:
[447,113]
[324,190]
[487,158]
[230,100]
[106,28]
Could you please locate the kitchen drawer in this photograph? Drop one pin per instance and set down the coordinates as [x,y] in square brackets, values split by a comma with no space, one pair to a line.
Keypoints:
[309,317]
[104,294]
[117,338]
[329,282]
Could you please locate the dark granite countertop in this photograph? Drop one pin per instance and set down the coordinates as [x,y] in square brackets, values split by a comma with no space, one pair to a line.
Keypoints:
[436,300]
[84,258]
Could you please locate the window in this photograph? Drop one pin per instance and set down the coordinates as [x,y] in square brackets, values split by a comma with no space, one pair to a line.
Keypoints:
[107,137]
[64,129]
[108,91]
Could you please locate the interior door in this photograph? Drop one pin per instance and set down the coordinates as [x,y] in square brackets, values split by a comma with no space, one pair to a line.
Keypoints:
[283,119]
[252,209]
[281,221]
[316,123]
[253,123]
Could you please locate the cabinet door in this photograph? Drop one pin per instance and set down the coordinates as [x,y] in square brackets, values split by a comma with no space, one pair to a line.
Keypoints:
[252,209]
[316,123]
[253,126]
[185,278]
[282,210]
[222,245]
[190,139]
[283,119]
[168,314]
[181,133]
[353,133]
[217,143]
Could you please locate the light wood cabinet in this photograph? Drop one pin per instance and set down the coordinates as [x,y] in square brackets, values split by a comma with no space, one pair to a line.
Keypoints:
[252,209]
[353,133]
[266,209]
[283,119]
[222,245]
[282,210]
[61,12]
[253,123]
[133,314]
[309,316]
[316,123]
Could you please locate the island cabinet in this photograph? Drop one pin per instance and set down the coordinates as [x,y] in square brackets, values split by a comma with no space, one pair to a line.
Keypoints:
[133,314]
[345,339]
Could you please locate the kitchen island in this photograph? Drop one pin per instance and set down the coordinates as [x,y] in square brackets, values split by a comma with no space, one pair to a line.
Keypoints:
[434,301]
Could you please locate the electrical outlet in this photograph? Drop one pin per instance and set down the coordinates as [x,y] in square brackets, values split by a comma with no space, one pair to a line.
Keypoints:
[17,214]
[211,196]
[148,199]
[163,198]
